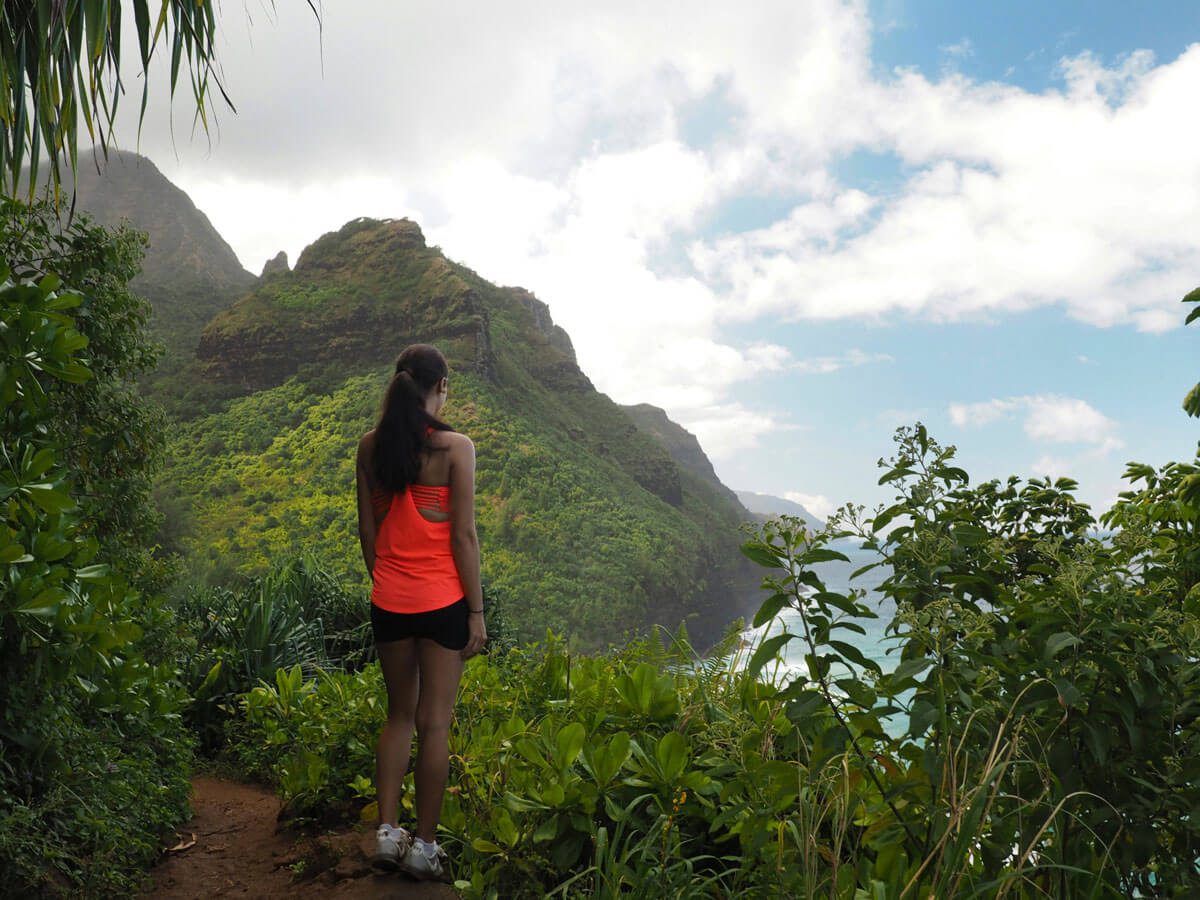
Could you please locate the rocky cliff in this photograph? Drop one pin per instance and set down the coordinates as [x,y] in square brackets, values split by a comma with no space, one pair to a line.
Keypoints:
[680,443]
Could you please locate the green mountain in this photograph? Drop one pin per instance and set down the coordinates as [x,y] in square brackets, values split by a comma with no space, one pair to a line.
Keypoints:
[190,273]
[681,444]
[587,523]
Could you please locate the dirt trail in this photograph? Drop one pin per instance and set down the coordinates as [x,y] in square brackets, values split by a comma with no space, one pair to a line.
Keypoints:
[239,853]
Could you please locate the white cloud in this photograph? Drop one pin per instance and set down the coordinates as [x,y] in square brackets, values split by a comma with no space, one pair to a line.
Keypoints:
[1015,200]
[727,429]
[1066,420]
[1048,418]
[960,49]
[980,413]
[545,145]
[824,365]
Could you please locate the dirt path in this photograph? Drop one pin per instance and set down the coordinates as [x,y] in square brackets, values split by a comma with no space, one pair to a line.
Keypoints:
[239,853]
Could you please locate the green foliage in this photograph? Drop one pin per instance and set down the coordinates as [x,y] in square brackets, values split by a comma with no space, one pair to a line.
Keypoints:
[565,537]
[556,788]
[89,721]
[1037,736]
[296,615]
[303,297]
[1191,403]
[105,433]
[59,64]
[1052,667]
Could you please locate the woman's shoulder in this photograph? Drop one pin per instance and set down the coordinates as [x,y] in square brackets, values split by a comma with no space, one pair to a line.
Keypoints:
[454,441]
[366,444]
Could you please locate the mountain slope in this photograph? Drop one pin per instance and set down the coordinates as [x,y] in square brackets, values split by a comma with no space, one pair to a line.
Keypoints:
[680,443]
[190,273]
[587,525]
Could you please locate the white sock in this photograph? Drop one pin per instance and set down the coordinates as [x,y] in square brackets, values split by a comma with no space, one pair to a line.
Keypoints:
[429,849]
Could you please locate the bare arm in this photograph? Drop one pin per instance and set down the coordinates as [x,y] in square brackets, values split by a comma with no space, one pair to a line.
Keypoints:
[367,526]
[464,542]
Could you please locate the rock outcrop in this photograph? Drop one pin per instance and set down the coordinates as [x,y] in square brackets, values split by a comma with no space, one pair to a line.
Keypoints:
[276,265]
[680,443]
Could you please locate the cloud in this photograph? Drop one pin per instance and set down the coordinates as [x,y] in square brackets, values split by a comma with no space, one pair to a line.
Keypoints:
[1048,418]
[729,428]
[961,49]
[544,145]
[980,413]
[1066,420]
[1014,200]
[824,365]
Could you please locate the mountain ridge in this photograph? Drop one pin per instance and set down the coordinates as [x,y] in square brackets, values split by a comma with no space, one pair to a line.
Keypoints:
[588,523]
[764,506]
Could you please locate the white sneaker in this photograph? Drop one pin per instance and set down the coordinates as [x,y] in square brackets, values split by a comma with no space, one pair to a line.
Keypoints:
[391,847]
[420,864]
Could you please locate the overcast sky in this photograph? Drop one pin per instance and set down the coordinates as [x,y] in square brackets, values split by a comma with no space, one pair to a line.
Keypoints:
[794,225]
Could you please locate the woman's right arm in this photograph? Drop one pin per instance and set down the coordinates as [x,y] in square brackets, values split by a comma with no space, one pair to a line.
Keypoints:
[464,542]
[367,528]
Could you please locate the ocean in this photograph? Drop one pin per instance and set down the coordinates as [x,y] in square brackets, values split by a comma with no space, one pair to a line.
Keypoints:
[836,576]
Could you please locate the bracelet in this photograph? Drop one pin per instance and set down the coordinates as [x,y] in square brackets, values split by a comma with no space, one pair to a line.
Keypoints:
[475,612]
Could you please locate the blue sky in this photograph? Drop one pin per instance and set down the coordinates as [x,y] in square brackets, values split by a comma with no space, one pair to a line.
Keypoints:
[794,226]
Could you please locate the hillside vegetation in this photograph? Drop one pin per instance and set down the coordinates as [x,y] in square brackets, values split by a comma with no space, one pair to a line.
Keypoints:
[587,525]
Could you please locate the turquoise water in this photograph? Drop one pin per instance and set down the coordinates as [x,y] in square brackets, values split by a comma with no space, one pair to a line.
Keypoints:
[836,576]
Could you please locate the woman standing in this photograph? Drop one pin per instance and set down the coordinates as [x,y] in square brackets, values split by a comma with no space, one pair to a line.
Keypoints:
[416,522]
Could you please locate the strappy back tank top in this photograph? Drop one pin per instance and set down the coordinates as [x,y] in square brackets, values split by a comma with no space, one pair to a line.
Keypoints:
[414,566]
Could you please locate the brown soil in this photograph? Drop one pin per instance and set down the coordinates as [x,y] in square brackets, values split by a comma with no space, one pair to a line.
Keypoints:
[241,851]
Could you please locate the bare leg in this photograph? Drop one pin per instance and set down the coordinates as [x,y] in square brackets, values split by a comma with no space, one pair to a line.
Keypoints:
[441,670]
[401,676]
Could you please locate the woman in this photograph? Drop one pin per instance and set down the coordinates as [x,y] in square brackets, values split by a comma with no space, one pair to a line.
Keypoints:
[416,521]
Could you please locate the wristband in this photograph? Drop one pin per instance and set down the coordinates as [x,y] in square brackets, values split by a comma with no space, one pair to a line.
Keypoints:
[475,612]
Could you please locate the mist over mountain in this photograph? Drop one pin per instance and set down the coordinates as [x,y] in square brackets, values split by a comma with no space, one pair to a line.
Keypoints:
[190,272]
[764,506]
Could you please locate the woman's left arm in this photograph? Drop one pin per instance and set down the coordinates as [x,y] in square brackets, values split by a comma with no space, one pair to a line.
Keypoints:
[367,528]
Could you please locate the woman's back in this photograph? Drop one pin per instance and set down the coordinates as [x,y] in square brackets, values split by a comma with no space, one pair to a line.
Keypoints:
[414,567]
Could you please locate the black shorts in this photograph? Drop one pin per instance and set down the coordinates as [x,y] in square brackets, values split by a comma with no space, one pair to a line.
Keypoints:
[447,626]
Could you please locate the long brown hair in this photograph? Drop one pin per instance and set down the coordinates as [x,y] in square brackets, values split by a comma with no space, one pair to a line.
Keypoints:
[403,421]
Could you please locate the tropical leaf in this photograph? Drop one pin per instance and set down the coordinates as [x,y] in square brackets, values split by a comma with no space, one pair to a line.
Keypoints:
[60,62]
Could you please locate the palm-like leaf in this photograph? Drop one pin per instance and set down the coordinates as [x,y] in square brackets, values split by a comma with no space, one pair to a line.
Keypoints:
[60,62]
[1191,403]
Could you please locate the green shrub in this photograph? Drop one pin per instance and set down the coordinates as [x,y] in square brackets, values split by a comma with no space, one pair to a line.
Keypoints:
[94,760]
[298,614]
[1037,736]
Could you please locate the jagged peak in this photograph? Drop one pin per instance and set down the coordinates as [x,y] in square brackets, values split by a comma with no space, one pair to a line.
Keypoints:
[543,322]
[276,265]
[362,237]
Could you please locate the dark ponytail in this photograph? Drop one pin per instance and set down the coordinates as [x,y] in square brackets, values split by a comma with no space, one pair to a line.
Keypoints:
[403,421]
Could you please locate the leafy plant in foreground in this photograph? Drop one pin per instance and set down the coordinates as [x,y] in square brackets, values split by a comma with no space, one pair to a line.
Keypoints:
[90,726]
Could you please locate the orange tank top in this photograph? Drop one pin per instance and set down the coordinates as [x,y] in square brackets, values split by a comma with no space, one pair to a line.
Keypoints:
[414,568]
